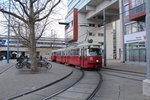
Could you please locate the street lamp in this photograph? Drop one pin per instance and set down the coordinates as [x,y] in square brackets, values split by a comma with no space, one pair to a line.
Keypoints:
[63,23]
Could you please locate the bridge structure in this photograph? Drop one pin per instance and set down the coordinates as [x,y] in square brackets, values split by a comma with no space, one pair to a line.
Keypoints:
[17,47]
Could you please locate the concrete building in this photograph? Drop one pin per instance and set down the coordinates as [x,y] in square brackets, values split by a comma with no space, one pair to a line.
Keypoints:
[44,46]
[85,23]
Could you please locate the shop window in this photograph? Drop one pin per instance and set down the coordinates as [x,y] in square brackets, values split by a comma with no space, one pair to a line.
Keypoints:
[136,52]
[141,26]
[142,53]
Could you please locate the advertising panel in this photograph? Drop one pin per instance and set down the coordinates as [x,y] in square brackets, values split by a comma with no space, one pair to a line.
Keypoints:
[136,37]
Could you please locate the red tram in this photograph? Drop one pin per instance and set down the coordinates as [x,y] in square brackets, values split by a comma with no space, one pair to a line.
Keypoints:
[86,55]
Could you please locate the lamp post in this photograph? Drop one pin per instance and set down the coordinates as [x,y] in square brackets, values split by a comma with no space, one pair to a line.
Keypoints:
[8,38]
[105,50]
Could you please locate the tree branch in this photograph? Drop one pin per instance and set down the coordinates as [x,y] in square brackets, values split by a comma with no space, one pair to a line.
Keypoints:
[34,1]
[38,11]
[17,9]
[13,14]
[48,12]
[45,24]
[19,35]
[24,9]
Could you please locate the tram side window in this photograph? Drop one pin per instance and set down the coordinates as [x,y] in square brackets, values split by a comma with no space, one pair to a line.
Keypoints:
[63,53]
[76,52]
[69,53]
[85,52]
[59,53]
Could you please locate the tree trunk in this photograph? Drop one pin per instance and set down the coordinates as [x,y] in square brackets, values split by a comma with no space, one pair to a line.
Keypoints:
[33,48]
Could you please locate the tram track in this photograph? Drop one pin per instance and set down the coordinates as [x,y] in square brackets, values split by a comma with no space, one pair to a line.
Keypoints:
[97,88]
[123,70]
[62,90]
[40,88]
[35,93]
[87,93]
[136,76]
[82,80]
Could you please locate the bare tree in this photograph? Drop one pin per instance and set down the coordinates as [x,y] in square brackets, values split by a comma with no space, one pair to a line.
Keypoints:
[31,13]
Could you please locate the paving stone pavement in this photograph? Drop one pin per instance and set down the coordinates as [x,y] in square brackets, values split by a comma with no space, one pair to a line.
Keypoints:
[14,81]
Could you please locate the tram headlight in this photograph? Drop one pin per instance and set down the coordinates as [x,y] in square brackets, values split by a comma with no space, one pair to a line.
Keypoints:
[97,60]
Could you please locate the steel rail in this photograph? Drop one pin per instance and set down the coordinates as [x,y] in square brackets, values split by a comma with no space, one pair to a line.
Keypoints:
[123,77]
[45,86]
[60,91]
[97,88]
[125,72]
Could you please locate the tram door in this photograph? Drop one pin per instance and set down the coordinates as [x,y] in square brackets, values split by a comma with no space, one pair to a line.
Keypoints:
[82,57]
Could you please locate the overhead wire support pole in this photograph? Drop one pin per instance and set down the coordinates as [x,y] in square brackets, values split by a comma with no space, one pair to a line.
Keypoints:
[8,38]
[148,37]
[123,53]
[146,82]
[105,50]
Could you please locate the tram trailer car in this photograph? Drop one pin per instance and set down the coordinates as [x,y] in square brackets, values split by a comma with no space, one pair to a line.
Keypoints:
[53,56]
[87,55]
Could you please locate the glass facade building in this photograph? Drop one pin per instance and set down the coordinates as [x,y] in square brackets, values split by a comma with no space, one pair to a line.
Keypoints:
[134,33]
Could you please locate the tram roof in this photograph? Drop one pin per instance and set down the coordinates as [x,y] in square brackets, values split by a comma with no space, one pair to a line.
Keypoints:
[87,44]
[79,45]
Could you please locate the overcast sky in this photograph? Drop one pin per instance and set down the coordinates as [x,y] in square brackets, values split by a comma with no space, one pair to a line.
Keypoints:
[59,29]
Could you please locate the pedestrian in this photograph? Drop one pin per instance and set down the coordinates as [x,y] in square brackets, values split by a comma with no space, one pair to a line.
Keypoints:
[41,58]
[20,59]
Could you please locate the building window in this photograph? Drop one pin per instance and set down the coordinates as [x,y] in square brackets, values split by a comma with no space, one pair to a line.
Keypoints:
[100,34]
[135,3]
[137,6]
[135,27]
[126,10]
[101,43]
[125,1]
[141,26]
[128,29]
[91,25]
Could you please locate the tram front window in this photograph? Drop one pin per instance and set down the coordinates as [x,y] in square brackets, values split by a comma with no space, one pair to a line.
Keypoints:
[94,52]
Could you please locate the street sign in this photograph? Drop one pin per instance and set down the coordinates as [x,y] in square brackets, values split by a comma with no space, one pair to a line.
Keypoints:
[3,42]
